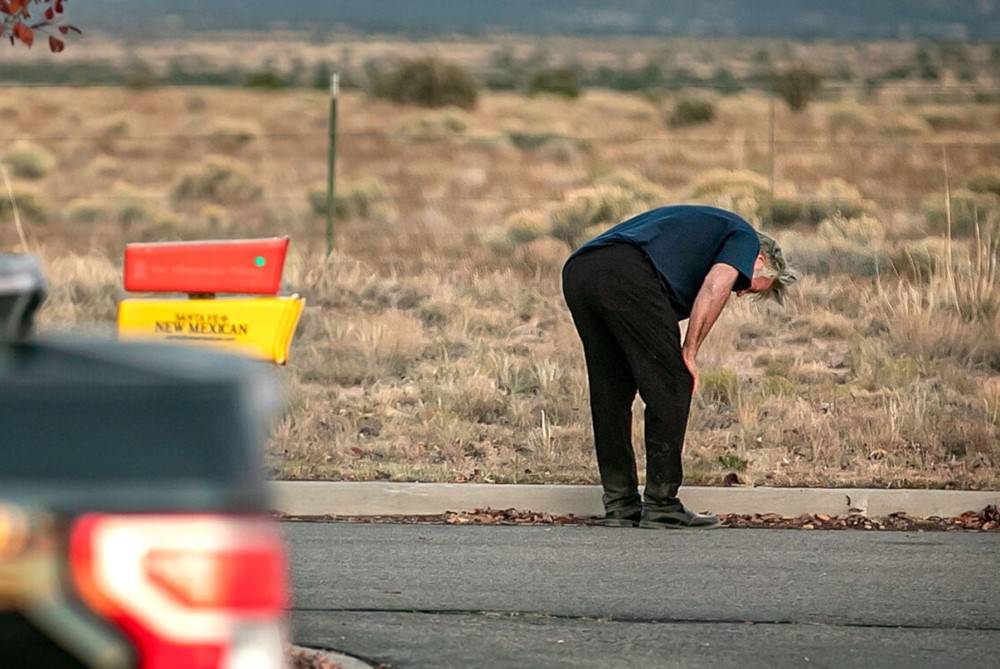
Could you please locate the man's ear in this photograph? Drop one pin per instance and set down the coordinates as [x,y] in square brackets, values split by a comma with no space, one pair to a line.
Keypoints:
[759,262]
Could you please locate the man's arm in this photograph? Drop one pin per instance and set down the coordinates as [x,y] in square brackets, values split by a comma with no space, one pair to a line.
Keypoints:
[708,304]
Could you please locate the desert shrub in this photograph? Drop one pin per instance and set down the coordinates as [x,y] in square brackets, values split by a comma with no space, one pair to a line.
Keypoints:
[724,82]
[847,120]
[432,126]
[775,364]
[855,245]
[130,206]
[426,82]
[836,197]
[986,181]
[742,191]
[105,167]
[138,75]
[782,211]
[218,179]
[732,461]
[945,121]
[527,225]
[195,103]
[561,81]
[28,160]
[968,209]
[265,79]
[542,255]
[531,141]
[715,182]
[30,206]
[691,111]
[926,68]
[777,386]
[918,260]
[589,211]
[902,128]
[215,218]
[549,144]
[896,371]
[797,86]
[231,134]
[719,385]
[85,210]
[365,199]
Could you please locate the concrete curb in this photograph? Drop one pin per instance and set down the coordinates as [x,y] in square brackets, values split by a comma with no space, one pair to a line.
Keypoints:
[379,498]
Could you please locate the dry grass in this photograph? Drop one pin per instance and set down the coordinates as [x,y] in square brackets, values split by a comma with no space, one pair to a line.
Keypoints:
[436,345]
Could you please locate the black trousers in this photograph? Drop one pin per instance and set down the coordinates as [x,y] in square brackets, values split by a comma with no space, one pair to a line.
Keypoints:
[631,342]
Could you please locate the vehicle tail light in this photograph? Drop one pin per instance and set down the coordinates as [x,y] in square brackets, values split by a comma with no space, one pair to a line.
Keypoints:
[200,592]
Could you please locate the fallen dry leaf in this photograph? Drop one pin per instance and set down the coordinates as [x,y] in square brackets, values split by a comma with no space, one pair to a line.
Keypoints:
[305,658]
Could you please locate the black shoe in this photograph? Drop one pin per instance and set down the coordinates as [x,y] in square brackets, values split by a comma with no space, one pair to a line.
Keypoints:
[678,519]
[622,518]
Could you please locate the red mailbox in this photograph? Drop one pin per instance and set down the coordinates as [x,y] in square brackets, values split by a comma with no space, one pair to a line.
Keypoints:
[249,266]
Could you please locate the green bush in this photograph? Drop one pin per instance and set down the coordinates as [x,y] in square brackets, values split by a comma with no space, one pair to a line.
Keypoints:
[30,206]
[721,181]
[85,211]
[918,260]
[218,179]
[782,211]
[836,197]
[732,461]
[28,160]
[691,111]
[939,122]
[532,141]
[854,245]
[433,125]
[967,209]
[226,134]
[557,81]
[426,82]
[130,206]
[364,200]
[797,86]
[590,211]
[986,181]
[266,80]
[719,385]
[526,226]
[549,145]
[742,191]
[777,386]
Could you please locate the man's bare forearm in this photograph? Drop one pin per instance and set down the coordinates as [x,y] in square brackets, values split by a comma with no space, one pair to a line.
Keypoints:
[708,304]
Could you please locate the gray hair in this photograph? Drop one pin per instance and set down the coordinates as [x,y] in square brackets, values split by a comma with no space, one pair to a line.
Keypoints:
[775,268]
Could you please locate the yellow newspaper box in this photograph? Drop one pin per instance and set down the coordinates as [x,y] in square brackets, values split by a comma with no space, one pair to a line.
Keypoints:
[261,327]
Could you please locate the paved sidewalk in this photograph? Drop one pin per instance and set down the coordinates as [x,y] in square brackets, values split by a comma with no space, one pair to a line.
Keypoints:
[377,498]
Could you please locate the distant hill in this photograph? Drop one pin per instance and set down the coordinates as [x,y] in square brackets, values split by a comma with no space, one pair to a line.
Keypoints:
[977,20]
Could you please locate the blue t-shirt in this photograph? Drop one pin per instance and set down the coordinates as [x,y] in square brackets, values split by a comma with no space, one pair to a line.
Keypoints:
[683,242]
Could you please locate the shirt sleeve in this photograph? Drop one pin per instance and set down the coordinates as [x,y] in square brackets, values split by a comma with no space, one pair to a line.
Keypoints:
[740,250]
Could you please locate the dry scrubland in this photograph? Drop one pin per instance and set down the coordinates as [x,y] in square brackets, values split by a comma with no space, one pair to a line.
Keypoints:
[436,345]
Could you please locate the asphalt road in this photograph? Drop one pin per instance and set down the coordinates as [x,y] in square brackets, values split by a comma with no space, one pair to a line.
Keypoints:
[488,596]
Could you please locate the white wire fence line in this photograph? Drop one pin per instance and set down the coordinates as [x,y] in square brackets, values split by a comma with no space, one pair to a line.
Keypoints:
[488,139]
